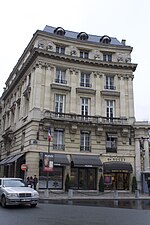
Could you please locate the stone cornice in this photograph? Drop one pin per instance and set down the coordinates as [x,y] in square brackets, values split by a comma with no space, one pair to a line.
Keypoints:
[71,59]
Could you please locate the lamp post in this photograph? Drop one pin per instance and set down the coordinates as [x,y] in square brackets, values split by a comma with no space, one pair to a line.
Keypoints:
[48,163]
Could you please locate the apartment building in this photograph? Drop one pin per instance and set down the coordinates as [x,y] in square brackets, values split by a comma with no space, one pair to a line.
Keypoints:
[78,89]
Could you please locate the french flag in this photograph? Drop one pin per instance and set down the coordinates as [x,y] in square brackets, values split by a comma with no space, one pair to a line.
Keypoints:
[49,134]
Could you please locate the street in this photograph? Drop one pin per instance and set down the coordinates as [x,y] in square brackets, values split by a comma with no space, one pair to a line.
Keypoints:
[53,214]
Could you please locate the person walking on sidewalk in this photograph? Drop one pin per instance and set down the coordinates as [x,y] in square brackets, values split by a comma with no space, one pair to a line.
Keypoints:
[148,184]
[35,181]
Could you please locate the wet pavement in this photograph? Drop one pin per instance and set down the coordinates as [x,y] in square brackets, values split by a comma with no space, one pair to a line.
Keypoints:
[113,199]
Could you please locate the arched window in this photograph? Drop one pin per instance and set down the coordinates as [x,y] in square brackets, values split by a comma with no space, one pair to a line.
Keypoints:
[105,39]
[59,31]
[83,36]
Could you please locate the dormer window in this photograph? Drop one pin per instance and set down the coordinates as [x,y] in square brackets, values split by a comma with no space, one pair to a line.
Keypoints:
[83,36]
[105,39]
[59,31]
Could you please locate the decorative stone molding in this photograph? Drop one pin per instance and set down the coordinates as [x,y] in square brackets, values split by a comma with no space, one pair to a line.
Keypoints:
[73,129]
[99,131]
[97,74]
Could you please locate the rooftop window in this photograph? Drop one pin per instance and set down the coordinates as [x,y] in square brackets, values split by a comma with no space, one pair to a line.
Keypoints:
[59,31]
[105,39]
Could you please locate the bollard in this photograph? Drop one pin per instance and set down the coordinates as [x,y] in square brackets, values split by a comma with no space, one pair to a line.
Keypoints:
[46,193]
[115,194]
[70,193]
[137,193]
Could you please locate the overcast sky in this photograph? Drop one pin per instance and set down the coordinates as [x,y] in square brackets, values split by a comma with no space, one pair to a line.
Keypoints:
[123,19]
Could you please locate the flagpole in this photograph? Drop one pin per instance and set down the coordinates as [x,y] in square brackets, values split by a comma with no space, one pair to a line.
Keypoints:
[49,139]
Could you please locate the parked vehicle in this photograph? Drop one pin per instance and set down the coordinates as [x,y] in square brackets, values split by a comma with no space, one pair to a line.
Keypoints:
[14,191]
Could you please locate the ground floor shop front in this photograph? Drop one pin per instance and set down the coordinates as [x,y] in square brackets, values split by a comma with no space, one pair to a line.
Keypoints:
[84,171]
[117,175]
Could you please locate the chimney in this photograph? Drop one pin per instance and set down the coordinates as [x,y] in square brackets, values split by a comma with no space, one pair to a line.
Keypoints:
[123,41]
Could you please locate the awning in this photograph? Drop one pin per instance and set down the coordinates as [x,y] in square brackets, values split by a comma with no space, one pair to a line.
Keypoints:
[86,161]
[122,167]
[61,160]
[14,158]
[10,159]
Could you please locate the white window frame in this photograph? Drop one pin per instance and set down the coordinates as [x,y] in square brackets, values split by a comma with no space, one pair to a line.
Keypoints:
[85,106]
[60,75]
[109,82]
[59,103]
[110,108]
[85,80]
[84,54]
[85,141]
[60,49]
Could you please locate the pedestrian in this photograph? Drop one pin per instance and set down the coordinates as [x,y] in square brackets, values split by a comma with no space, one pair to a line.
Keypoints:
[31,181]
[28,181]
[148,184]
[35,181]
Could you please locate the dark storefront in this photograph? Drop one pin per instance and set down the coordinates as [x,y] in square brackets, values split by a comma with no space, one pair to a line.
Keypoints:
[84,171]
[56,175]
[117,175]
[12,165]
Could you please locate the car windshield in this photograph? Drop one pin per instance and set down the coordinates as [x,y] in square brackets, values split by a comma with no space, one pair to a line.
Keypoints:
[14,183]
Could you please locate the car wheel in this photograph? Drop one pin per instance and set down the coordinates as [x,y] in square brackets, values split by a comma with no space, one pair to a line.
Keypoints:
[33,205]
[3,201]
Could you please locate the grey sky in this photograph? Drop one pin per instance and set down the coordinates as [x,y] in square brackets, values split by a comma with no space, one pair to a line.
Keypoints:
[117,18]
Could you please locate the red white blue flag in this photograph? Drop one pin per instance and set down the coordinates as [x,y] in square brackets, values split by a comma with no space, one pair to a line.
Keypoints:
[49,135]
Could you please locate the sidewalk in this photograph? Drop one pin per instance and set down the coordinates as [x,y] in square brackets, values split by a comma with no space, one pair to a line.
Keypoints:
[78,195]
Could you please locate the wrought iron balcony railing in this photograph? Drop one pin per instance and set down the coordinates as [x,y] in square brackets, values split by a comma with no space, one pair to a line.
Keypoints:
[58,147]
[109,87]
[85,148]
[60,81]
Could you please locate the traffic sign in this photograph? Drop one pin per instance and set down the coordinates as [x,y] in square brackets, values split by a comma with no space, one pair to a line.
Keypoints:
[24,167]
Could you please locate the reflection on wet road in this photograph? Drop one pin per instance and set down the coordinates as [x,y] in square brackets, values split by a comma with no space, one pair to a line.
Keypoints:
[128,204]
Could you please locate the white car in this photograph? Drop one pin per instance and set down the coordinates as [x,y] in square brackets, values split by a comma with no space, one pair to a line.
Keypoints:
[14,191]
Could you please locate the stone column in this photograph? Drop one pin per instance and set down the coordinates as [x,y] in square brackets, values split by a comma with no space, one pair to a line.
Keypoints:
[130,97]
[73,84]
[122,97]
[138,163]
[146,158]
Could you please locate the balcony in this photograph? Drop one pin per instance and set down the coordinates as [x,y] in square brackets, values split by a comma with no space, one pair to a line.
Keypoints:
[69,117]
[109,87]
[85,84]
[111,146]
[85,148]
[60,81]
[60,147]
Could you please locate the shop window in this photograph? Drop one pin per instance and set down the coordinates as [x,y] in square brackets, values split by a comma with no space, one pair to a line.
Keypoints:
[55,178]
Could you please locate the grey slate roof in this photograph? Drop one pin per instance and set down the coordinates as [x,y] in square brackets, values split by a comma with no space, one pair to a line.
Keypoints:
[73,35]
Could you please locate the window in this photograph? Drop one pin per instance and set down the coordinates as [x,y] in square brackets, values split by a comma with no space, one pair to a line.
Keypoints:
[109,83]
[58,139]
[107,57]
[85,109]
[85,80]
[111,143]
[82,36]
[84,54]
[85,141]
[110,108]
[60,76]
[59,31]
[59,103]
[105,39]
[60,50]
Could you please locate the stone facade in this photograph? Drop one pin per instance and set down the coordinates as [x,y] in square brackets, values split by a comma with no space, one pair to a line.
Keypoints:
[82,88]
